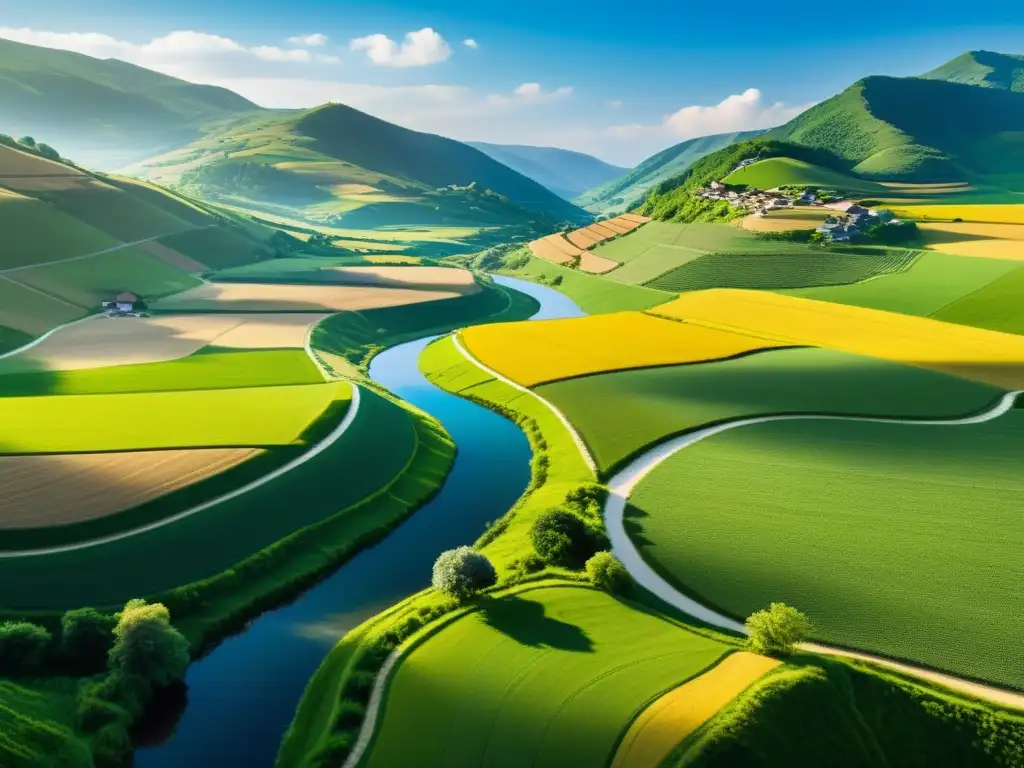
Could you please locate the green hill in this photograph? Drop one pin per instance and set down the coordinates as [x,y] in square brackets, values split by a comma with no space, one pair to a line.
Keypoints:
[985,68]
[340,167]
[103,113]
[627,191]
[786,171]
[566,173]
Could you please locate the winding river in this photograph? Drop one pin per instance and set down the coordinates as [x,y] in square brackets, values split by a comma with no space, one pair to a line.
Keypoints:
[242,696]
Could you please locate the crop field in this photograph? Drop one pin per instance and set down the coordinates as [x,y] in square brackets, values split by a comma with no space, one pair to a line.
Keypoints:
[151,562]
[114,211]
[542,677]
[988,214]
[175,204]
[37,724]
[34,232]
[786,171]
[216,247]
[87,282]
[273,297]
[913,552]
[785,220]
[53,490]
[31,312]
[792,269]
[14,163]
[620,414]
[172,257]
[670,719]
[997,306]
[654,262]
[177,419]
[993,241]
[430,278]
[989,356]
[556,249]
[532,353]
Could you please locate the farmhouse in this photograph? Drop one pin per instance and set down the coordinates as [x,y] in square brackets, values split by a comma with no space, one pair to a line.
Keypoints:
[123,303]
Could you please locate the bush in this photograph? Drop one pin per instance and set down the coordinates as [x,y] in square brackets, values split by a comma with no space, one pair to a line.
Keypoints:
[563,538]
[22,647]
[93,713]
[147,645]
[607,572]
[48,152]
[777,630]
[462,572]
[86,636]
[350,715]
[28,141]
[111,747]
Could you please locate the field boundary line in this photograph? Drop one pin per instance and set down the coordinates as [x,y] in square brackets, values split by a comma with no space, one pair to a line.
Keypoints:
[37,341]
[316,450]
[576,437]
[622,484]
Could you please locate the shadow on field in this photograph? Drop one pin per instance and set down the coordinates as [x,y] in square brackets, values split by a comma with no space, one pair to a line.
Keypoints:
[631,521]
[524,621]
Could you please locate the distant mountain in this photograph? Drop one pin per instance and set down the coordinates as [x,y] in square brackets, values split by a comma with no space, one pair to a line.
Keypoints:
[628,190]
[990,70]
[103,113]
[564,172]
[341,167]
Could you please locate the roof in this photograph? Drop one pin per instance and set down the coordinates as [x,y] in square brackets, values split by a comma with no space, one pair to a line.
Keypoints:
[127,296]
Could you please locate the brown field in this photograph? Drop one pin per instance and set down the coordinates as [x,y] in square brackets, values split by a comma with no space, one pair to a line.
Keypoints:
[16,163]
[51,490]
[172,257]
[270,297]
[596,265]
[28,310]
[557,249]
[984,240]
[432,278]
[582,238]
[785,221]
[52,182]
[635,218]
[271,331]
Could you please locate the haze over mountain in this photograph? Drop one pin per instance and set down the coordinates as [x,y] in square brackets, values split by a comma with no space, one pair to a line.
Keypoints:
[566,173]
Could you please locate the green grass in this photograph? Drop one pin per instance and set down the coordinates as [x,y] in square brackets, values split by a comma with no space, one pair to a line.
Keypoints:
[768,270]
[934,281]
[619,414]
[217,247]
[996,306]
[116,212]
[785,171]
[294,267]
[374,451]
[11,339]
[34,232]
[204,370]
[31,312]
[37,725]
[87,282]
[860,717]
[542,677]
[655,261]
[594,295]
[904,540]
[152,420]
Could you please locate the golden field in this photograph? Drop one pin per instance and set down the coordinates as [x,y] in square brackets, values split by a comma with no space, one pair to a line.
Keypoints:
[989,214]
[533,353]
[983,240]
[664,724]
[989,356]
[272,297]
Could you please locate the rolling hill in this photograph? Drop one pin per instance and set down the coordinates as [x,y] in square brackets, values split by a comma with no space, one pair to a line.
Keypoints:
[337,166]
[627,191]
[566,173]
[985,68]
[104,113]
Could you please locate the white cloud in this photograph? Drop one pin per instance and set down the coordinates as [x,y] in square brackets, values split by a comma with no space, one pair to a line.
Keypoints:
[469,42]
[273,53]
[310,41]
[530,93]
[417,50]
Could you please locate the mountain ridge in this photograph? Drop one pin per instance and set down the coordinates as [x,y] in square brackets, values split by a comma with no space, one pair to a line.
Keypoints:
[565,172]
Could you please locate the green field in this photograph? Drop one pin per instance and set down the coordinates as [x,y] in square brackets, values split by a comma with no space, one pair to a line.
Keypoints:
[31,312]
[934,281]
[11,339]
[34,232]
[786,171]
[116,212]
[216,247]
[220,537]
[996,306]
[652,262]
[297,267]
[900,539]
[87,282]
[543,677]
[204,370]
[619,414]
[37,725]
[150,420]
[786,269]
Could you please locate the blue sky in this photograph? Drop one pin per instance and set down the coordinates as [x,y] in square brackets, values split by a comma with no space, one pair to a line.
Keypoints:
[591,76]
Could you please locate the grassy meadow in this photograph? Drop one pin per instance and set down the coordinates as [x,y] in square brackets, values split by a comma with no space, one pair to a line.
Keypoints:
[35,232]
[787,171]
[996,306]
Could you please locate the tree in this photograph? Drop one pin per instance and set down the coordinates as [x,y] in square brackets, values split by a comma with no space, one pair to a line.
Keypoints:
[462,572]
[27,141]
[147,646]
[22,647]
[86,636]
[777,630]
[48,152]
[562,538]
[607,572]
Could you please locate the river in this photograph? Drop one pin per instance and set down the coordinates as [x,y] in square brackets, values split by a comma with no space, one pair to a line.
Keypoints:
[242,696]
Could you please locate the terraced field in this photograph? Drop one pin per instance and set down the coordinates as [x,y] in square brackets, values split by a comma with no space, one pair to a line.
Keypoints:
[904,540]
[543,677]
[620,414]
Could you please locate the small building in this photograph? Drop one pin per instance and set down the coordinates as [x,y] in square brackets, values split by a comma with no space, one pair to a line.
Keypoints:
[857,210]
[717,186]
[123,302]
[808,198]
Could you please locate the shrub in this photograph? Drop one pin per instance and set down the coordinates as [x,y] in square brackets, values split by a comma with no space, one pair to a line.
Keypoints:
[562,538]
[777,630]
[22,647]
[350,715]
[48,152]
[92,714]
[607,572]
[334,752]
[86,636]
[111,747]
[462,572]
[147,645]
[28,141]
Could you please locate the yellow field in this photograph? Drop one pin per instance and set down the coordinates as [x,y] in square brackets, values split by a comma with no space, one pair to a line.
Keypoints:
[785,221]
[270,297]
[533,353]
[991,214]
[673,717]
[992,241]
[989,356]
[433,278]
